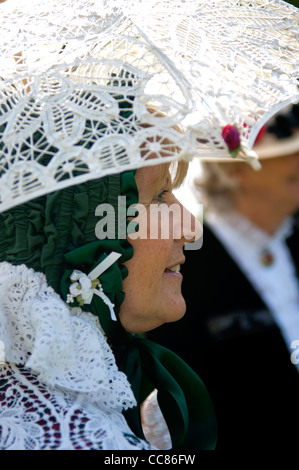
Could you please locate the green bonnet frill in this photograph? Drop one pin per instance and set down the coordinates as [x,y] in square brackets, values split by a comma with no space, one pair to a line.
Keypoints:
[56,234]
[42,232]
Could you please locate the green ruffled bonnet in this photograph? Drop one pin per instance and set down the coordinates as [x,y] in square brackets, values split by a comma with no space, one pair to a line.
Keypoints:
[47,233]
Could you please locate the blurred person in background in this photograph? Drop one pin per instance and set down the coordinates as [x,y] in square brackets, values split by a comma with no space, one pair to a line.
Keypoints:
[241,329]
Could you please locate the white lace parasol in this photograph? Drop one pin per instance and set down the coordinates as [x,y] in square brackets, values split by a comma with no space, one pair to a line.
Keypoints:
[240,57]
[93,87]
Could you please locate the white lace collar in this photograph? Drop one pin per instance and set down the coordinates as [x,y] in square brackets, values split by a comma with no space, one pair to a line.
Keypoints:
[65,347]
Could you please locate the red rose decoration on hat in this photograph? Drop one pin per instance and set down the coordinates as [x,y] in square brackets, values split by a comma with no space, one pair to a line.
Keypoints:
[231,137]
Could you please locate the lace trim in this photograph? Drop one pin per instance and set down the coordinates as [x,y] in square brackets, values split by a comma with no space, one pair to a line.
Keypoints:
[65,347]
[34,417]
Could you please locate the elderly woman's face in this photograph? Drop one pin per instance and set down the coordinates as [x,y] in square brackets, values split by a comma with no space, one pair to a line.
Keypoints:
[278,181]
[153,286]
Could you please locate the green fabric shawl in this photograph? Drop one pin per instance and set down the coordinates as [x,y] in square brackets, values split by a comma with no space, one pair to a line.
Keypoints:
[55,234]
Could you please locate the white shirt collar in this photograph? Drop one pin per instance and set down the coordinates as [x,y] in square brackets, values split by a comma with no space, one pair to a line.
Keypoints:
[235,224]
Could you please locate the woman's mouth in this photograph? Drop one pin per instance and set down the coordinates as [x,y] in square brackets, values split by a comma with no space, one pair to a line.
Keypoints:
[174,271]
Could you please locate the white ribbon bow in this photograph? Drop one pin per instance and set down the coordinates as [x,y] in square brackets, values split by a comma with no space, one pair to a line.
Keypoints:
[88,284]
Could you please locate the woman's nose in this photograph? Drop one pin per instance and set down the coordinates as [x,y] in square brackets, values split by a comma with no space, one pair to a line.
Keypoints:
[190,229]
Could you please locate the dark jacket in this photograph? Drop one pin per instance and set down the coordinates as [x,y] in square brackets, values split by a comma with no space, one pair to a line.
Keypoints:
[230,339]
